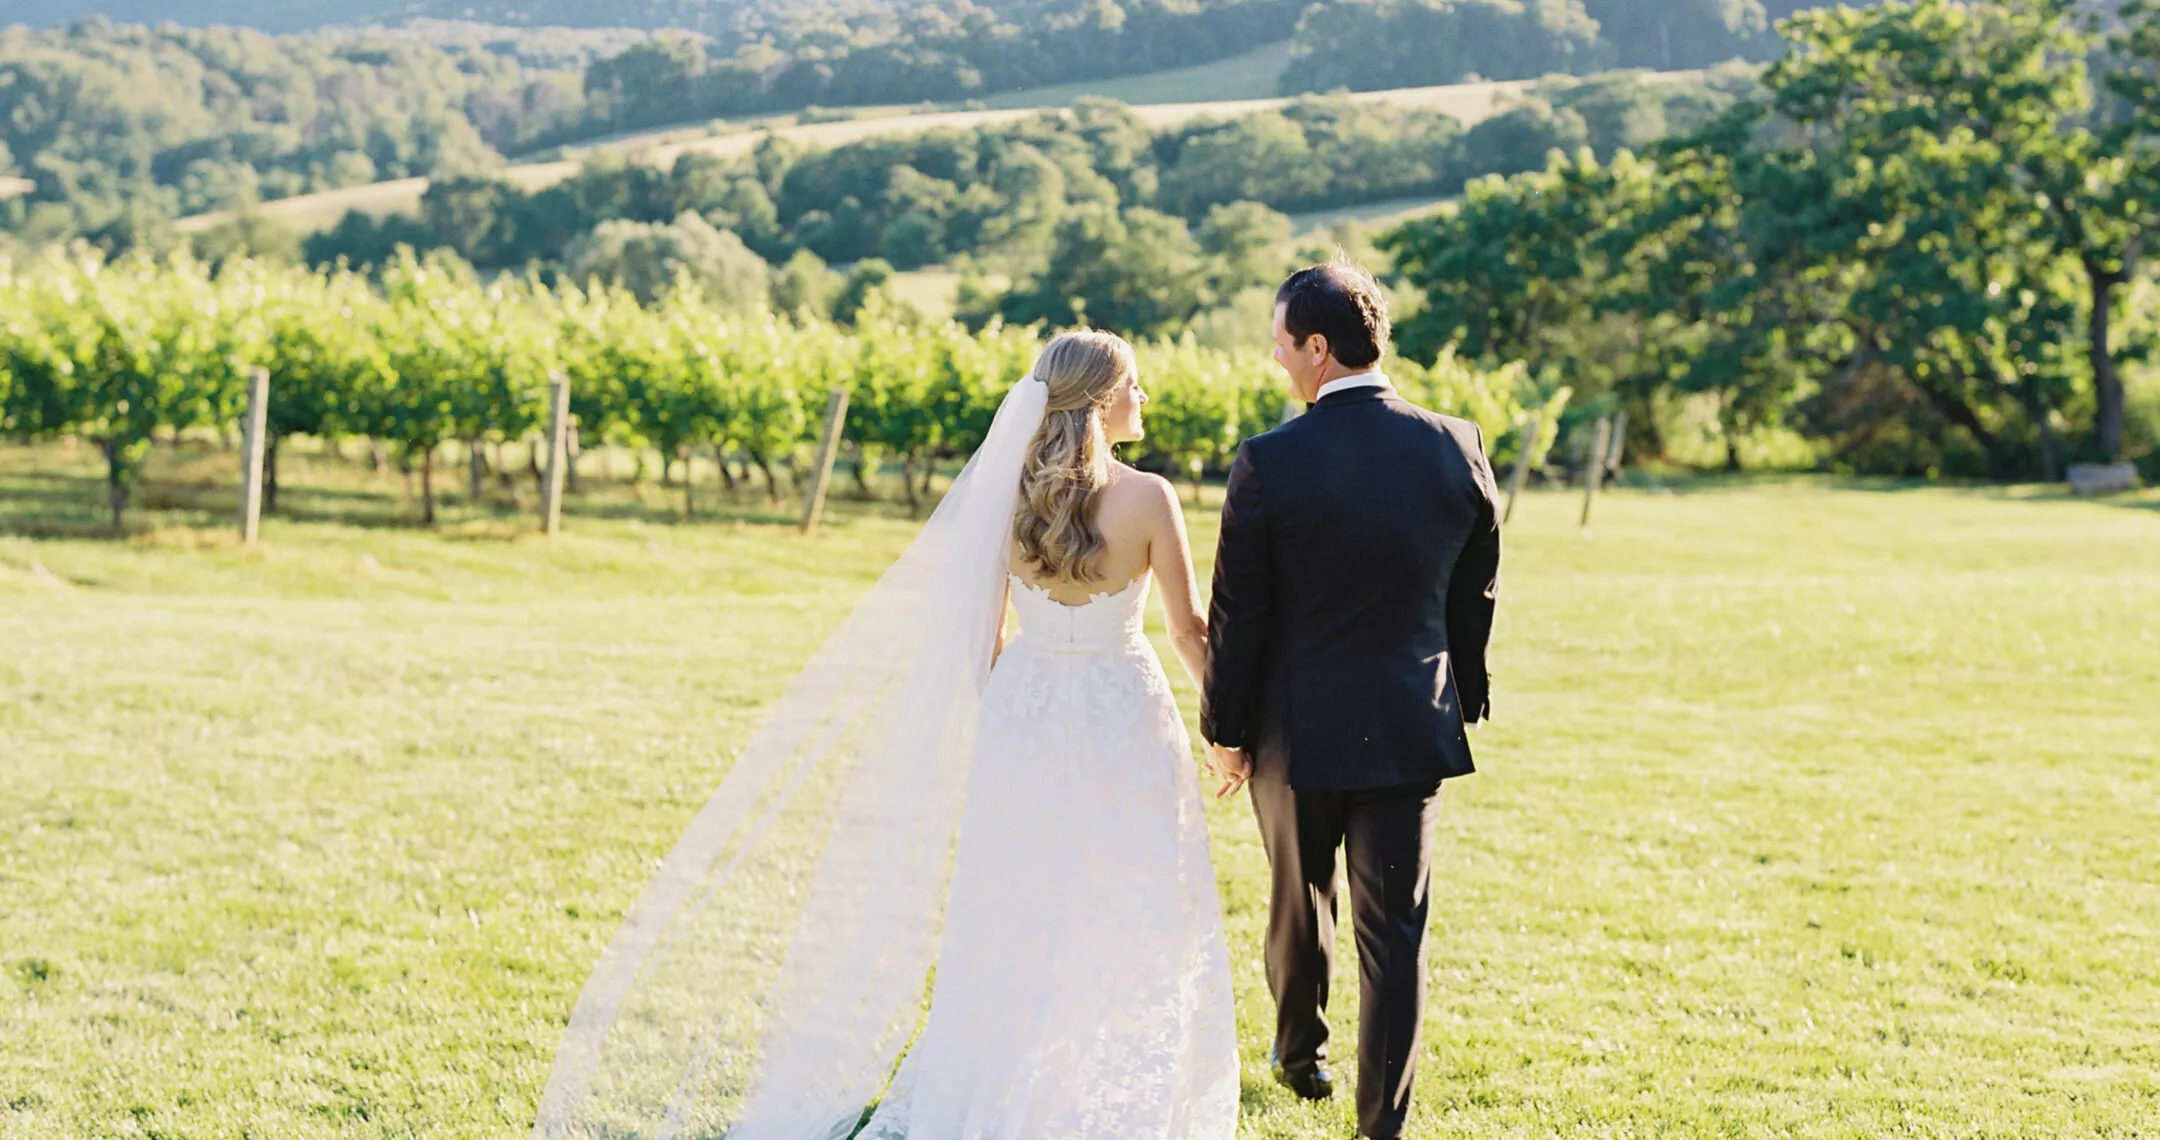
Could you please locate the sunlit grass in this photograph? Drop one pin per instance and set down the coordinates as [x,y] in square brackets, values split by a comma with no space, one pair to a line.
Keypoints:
[1810,809]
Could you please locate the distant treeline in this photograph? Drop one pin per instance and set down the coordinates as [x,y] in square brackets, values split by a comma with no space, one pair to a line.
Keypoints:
[1370,45]
[1085,207]
[938,52]
[124,127]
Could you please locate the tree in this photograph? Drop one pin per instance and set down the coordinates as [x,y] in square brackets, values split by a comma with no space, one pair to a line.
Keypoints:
[1509,268]
[1669,34]
[804,288]
[868,288]
[1369,45]
[1140,274]
[649,259]
[1260,158]
[1246,242]
[2001,88]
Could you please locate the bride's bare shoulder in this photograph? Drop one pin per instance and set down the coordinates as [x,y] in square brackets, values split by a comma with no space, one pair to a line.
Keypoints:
[1131,476]
[1139,492]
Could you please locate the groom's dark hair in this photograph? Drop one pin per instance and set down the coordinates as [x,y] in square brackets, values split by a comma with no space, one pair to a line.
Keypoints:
[1341,302]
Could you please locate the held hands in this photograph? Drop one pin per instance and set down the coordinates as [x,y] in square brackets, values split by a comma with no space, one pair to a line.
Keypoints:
[1233,766]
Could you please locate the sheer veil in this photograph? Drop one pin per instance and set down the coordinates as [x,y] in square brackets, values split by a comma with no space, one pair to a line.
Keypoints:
[767,981]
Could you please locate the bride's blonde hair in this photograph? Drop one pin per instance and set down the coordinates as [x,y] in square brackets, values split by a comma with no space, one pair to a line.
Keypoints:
[1069,461]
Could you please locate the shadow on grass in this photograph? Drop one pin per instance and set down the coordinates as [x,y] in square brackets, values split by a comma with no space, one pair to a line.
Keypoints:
[58,505]
[1698,483]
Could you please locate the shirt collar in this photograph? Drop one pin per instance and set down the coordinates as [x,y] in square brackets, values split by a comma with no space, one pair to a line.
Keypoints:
[1346,383]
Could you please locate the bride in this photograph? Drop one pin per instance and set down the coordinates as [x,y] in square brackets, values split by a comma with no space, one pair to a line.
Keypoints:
[1022,814]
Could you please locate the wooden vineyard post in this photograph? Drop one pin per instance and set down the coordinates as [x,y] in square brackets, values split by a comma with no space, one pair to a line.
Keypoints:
[1594,471]
[571,451]
[252,432]
[828,450]
[558,453]
[1522,465]
[1619,447]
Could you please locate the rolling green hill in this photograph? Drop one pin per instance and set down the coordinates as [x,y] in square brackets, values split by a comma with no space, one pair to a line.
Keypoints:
[1468,103]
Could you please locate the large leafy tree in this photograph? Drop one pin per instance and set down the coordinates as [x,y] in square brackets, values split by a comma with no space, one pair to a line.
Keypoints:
[1139,273]
[1511,268]
[1976,121]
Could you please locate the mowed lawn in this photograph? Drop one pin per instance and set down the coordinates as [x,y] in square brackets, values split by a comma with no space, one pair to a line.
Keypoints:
[1810,809]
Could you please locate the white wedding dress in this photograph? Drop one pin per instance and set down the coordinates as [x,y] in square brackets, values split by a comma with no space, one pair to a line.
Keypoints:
[1028,840]
[1083,990]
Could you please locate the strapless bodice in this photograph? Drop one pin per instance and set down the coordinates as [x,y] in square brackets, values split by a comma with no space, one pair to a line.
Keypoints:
[1108,622]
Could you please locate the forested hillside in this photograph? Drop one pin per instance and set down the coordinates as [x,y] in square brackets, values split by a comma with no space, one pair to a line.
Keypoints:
[121,127]
[1368,45]
[1088,208]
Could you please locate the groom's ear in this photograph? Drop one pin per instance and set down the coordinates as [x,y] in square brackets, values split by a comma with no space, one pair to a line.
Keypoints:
[1317,343]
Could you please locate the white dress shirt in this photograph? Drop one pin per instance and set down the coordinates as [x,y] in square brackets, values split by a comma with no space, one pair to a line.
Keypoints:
[1354,380]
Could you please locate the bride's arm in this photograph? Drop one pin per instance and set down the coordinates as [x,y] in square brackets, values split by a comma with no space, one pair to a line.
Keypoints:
[1170,557]
[997,649]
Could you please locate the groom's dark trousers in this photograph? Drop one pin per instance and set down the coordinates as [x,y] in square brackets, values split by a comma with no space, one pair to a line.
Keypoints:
[1353,603]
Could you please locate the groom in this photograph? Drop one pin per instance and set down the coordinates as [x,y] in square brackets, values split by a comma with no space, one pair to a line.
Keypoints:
[1353,601]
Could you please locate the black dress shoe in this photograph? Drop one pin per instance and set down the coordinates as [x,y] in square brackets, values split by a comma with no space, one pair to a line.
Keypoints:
[1315,1084]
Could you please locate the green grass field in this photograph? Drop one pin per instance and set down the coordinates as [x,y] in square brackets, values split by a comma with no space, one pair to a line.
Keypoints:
[1376,215]
[1811,809]
[1255,74]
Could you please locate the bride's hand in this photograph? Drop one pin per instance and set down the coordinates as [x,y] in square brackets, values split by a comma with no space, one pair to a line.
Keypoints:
[1233,766]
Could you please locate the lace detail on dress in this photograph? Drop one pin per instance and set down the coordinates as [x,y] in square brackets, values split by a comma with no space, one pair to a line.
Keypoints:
[1083,989]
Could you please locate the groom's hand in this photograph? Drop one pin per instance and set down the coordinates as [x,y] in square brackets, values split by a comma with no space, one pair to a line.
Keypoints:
[1233,766]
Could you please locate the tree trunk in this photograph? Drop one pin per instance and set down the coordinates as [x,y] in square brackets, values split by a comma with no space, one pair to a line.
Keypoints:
[2051,467]
[570,458]
[377,457]
[2036,410]
[689,485]
[427,486]
[727,473]
[269,486]
[907,479]
[534,467]
[116,481]
[2108,400]
[772,486]
[476,466]
[864,465]
[1957,411]
[1643,429]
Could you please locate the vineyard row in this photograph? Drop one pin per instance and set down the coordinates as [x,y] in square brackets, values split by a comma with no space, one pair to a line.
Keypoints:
[425,354]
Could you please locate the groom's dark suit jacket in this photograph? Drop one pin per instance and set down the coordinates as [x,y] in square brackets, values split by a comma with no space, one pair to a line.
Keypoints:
[1354,590]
